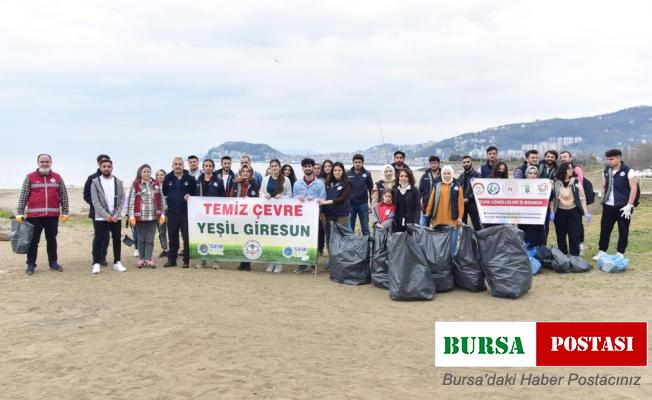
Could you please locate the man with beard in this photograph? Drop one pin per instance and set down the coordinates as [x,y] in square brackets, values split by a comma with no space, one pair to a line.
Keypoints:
[45,196]
[225,172]
[428,181]
[89,201]
[107,194]
[399,162]
[531,159]
[548,166]
[308,189]
[492,157]
[465,180]
[178,185]
[193,166]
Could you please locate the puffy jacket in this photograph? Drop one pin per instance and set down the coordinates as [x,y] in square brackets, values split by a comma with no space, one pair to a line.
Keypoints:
[361,186]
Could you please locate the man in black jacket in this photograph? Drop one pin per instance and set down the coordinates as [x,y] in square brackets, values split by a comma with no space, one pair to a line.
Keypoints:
[91,211]
[428,181]
[361,187]
[465,178]
[492,157]
[178,185]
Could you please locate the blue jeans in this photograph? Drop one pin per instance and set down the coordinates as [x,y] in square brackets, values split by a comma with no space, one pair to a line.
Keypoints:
[361,210]
[423,221]
[454,242]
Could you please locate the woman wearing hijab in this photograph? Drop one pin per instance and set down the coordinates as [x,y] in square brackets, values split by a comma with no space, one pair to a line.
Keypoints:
[387,182]
[446,203]
[535,235]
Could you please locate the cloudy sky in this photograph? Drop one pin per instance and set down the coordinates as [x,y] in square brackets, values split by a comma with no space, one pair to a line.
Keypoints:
[80,77]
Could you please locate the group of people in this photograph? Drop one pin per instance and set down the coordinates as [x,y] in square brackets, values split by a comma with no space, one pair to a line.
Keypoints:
[157,202]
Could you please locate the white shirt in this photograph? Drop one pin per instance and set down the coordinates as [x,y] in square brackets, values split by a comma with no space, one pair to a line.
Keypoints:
[225,177]
[108,186]
[610,200]
[196,173]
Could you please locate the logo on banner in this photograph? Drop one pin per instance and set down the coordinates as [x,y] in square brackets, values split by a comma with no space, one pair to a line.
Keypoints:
[252,249]
[539,344]
[202,249]
[543,188]
[493,189]
[511,188]
[478,188]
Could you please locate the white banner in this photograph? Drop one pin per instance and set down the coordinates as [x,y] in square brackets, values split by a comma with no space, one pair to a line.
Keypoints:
[512,201]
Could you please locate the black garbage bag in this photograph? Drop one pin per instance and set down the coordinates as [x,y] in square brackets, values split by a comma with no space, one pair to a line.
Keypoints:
[505,261]
[348,256]
[379,266]
[436,246]
[409,274]
[21,236]
[578,264]
[544,255]
[467,267]
[561,262]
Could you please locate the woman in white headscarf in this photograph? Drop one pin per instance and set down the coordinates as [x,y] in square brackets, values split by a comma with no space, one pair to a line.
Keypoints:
[446,203]
[387,182]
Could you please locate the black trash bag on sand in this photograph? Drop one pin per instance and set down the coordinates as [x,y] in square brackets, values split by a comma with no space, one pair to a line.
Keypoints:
[467,266]
[348,256]
[379,259]
[21,236]
[436,246]
[409,274]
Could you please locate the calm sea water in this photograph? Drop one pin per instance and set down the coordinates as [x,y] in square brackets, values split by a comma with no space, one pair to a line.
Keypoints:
[75,171]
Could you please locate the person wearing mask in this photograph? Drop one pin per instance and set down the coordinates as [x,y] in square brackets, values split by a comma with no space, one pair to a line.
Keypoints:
[275,186]
[500,171]
[534,234]
[178,186]
[107,194]
[288,171]
[326,169]
[385,184]
[492,157]
[567,208]
[399,162]
[310,188]
[245,185]
[619,185]
[193,166]
[225,173]
[209,185]
[89,201]
[407,200]
[531,158]
[446,203]
[548,166]
[465,180]
[361,186]
[337,206]
[45,197]
[162,228]
[146,207]
[428,181]
[245,161]
[384,211]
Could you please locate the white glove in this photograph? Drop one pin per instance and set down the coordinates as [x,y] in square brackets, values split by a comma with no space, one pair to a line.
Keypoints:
[627,211]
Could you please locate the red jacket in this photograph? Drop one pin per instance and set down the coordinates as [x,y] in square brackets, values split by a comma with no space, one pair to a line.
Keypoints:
[385,210]
[44,197]
[156,186]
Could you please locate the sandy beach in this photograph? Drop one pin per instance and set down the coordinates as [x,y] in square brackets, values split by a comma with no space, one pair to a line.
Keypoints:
[207,334]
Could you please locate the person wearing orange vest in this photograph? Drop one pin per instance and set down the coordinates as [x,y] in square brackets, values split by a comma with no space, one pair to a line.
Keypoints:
[146,208]
[45,197]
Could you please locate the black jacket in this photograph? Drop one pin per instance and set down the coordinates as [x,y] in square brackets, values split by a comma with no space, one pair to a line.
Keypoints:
[426,184]
[361,186]
[215,189]
[227,184]
[175,189]
[465,181]
[408,208]
[485,170]
[87,192]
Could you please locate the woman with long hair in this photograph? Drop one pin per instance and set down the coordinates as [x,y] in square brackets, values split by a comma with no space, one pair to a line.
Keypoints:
[245,186]
[535,235]
[500,171]
[566,209]
[325,170]
[147,207]
[209,184]
[336,207]
[407,200]
[288,171]
[162,228]
[275,186]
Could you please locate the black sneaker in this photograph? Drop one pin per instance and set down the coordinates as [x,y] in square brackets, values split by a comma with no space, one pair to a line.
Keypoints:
[247,267]
[104,263]
[301,269]
[30,269]
[170,264]
[241,267]
[163,254]
[56,267]
[186,264]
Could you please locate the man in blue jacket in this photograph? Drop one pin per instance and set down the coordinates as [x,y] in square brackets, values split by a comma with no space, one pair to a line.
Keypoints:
[428,181]
[178,185]
[492,157]
[361,186]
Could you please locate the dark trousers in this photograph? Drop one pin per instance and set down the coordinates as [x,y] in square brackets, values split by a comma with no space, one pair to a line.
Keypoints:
[176,223]
[534,234]
[568,223]
[321,237]
[105,244]
[546,226]
[51,227]
[610,216]
[471,210]
[102,230]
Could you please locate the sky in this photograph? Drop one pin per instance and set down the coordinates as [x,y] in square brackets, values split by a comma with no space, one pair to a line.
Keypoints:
[177,77]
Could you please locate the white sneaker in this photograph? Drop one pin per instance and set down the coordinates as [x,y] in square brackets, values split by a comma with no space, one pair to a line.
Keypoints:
[620,256]
[216,265]
[270,268]
[581,249]
[136,254]
[96,268]
[118,267]
[278,268]
[600,254]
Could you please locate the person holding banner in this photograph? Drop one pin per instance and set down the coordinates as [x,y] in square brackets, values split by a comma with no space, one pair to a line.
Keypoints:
[407,200]
[383,185]
[275,186]
[308,189]
[337,206]
[535,235]
[289,172]
[567,208]
[245,161]
[500,171]
[146,209]
[326,169]
[209,184]
[465,179]
[178,186]
[245,185]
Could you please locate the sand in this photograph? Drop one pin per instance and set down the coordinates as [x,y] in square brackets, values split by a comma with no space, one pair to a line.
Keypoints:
[207,334]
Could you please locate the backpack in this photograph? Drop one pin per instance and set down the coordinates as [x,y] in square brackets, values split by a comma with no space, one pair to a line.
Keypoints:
[588,191]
